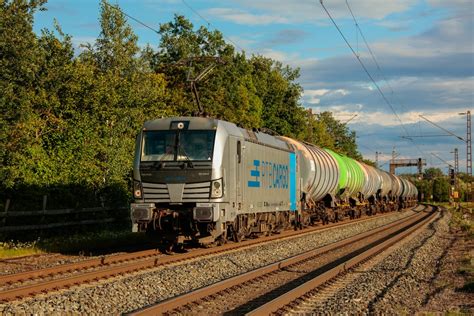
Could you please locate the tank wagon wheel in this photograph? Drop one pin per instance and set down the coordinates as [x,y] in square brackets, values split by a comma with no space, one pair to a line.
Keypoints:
[373,210]
[167,247]
[179,248]
[350,213]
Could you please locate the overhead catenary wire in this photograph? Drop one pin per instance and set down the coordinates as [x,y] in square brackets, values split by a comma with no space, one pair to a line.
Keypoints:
[209,24]
[137,20]
[379,68]
[363,66]
[367,72]
[131,17]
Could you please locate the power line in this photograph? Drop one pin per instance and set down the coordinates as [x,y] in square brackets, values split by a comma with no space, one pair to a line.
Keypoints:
[209,24]
[379,68]
[442,128]
[364,67]
[131,17]
[143,23]
[367,72]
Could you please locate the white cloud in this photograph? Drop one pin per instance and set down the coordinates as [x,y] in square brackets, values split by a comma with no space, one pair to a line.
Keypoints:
[286,58]
[285,12]
[79,41]
[311,10]
[242,42]
[243,17]
[314,96]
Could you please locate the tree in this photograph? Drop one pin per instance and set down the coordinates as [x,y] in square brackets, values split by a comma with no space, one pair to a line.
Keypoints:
[280,95]
[116,46]
[433,173]
[344,139]
[441,190]
[19,63]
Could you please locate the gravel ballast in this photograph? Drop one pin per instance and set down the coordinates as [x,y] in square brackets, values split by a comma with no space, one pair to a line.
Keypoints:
[124,294]
[401,281]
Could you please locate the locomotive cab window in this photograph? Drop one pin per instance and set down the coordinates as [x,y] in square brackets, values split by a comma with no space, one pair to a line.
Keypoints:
[180,145]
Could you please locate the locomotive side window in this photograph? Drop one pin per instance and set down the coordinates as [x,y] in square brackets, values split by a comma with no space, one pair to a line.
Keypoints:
[239,151]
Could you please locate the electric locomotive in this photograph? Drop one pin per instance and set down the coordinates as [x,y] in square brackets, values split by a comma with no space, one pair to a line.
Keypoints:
[193,177]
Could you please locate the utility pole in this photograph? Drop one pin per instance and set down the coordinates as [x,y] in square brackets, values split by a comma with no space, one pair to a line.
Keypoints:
[377,158]
[456,171]
[468,154]
[469,146]
[468,143]
[456,161]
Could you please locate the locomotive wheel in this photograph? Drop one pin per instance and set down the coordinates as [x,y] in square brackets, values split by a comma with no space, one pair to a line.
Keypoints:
[221,240]
[167,247]
[236,235]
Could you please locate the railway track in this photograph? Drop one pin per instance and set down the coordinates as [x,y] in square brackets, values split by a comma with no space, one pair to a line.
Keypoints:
[30,283]
[269,289]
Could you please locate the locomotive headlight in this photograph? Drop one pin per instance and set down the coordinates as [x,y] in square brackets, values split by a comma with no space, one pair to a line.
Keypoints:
[137,189]
[216,189]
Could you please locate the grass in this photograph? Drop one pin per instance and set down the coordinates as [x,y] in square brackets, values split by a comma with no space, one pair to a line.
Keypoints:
[11,249]
[104,241]
[462,218]
[79,244]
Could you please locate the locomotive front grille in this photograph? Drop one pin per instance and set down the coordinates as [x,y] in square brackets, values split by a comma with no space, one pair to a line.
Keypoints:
[159,192]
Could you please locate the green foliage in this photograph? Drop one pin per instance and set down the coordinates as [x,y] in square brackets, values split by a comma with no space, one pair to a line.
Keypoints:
[441,189]
[69,122]
[433,173]
[344,139]
[425,189]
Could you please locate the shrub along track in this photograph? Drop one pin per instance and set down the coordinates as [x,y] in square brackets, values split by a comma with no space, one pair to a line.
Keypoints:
[30,283]
[247,291]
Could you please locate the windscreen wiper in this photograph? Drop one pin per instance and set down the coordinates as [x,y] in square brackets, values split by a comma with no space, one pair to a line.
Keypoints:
[186,156]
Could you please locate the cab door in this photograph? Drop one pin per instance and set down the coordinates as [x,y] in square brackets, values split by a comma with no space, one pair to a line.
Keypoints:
[236,168]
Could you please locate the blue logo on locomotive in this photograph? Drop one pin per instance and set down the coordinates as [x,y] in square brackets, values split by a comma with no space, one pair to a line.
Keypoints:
[269,175]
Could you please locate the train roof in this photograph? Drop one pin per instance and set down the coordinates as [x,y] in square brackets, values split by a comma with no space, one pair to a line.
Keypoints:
[206,123]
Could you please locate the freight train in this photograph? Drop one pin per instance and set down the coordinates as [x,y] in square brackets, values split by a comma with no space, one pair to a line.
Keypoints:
[207,180]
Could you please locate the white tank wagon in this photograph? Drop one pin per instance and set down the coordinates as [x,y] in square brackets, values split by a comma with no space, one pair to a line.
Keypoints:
[409,193]
[372,181]
[207,181]
[386,186]
[397,187]
[318,171]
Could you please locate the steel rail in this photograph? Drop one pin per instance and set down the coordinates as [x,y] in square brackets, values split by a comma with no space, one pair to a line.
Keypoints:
[178,301]
[286,299]
[157,259]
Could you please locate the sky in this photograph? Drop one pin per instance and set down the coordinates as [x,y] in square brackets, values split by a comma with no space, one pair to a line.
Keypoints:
[420,55]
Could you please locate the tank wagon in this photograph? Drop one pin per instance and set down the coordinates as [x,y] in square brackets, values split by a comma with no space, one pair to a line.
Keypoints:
[207,180]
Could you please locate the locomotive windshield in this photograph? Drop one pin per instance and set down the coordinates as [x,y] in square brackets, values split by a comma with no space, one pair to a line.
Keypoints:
[183,145]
